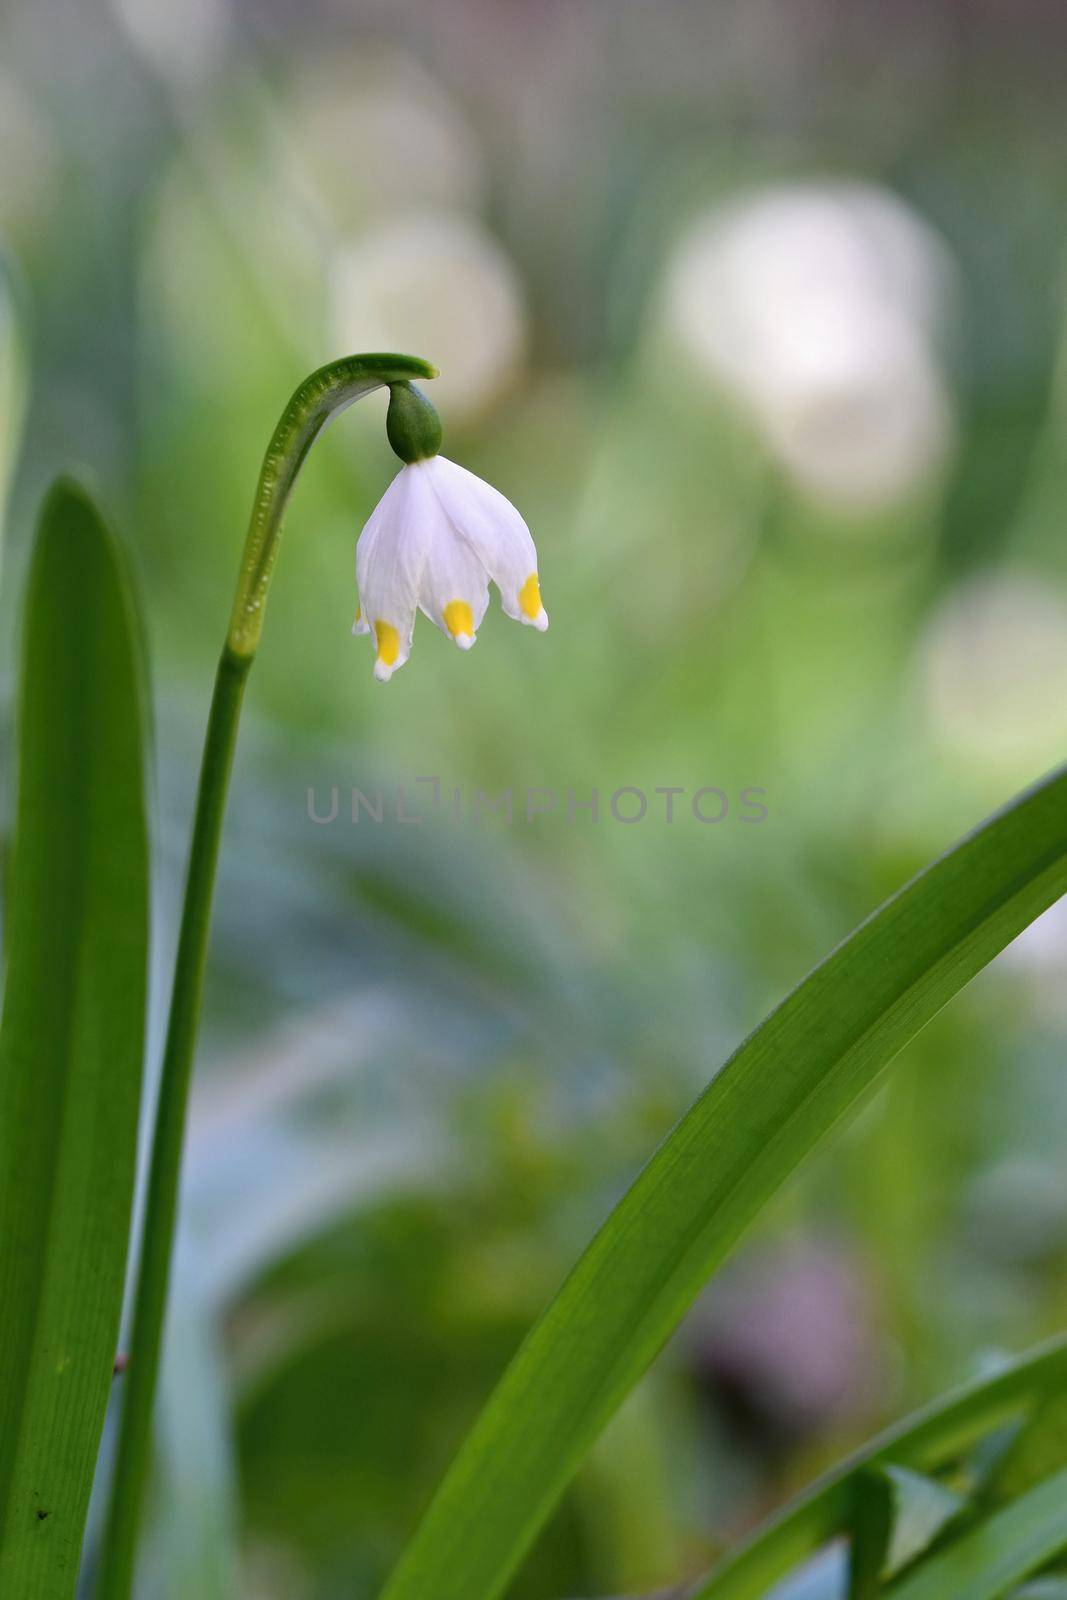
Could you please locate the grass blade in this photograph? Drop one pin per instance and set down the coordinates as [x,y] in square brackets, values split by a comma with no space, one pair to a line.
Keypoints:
[772,1103]
[984,1562]
[898,1514]
[929,1440]
[1036,1452]
[71,1038]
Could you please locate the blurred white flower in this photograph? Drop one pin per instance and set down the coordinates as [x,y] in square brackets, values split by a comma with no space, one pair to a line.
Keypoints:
[994,670]
[435,539]
[181,42]
[817,308]
[436,282]
[375,133]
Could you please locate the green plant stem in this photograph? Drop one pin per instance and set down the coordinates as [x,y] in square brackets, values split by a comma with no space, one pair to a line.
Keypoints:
[131,1465]
[315,402]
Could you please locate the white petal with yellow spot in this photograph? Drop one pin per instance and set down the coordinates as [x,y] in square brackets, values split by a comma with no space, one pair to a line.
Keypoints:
[437,537]
[492,528]
[390,559]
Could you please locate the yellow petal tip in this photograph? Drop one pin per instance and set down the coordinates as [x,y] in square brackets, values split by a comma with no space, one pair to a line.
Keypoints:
[459,620]
[530,605]
[387,641]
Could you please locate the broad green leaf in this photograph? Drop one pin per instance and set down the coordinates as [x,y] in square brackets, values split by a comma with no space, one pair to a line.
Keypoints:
[803,1068]
[940,1436]
[899,1513]
[71,1038]
[985,1561]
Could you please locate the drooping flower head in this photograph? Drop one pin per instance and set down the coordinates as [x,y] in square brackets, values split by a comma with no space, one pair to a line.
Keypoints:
[434,542]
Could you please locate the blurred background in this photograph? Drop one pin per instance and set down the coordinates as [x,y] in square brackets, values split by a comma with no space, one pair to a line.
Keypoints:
[757,312]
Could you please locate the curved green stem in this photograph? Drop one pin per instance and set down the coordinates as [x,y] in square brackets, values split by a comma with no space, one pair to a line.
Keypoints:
[319,398]
[317,401]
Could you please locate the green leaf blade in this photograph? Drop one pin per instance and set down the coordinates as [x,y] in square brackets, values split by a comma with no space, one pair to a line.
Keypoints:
[1038,1450]
[899,1513]
[984,1562]
[928,1441]
[778,1096]
[71,1038]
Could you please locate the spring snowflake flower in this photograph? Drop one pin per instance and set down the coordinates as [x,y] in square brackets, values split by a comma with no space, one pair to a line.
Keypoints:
[436,539]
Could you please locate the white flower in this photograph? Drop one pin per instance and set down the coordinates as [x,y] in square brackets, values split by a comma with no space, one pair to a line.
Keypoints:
[435,539]
[435,280]
[820,309]
[993,665]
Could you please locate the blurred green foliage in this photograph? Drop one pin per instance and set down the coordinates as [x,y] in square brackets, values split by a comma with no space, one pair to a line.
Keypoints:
[435,1054]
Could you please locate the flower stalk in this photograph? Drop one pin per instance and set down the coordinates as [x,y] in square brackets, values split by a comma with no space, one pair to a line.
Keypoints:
[318,399]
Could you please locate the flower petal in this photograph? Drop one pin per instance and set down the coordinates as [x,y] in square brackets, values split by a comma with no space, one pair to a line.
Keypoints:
[455,586]
[390,557]
[496,533]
